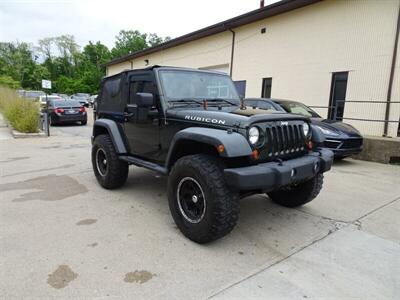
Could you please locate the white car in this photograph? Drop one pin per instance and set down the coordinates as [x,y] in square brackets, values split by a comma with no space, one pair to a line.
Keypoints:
[43,99]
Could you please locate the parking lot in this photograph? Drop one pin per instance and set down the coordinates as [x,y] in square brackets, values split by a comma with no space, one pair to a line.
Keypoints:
[62,236]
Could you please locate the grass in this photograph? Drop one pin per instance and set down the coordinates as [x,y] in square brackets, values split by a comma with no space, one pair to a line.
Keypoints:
[22,114]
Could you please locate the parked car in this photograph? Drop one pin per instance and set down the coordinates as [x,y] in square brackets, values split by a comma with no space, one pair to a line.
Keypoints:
[31,95]
[44,98]
[92,100]
[82,98]
[64,96]
[190,125]
[66,111]
[343,139]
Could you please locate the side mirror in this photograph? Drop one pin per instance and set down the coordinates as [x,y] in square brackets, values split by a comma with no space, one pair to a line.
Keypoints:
[144,99]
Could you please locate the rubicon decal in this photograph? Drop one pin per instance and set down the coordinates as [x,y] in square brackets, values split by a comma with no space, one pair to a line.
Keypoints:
[207,120]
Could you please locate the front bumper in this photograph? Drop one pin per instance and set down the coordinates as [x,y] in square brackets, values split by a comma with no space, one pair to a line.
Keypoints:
[273,175]
[344,147]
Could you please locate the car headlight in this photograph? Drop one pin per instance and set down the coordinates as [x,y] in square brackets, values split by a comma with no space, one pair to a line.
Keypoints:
[327,131]
[306,129]
[254,135]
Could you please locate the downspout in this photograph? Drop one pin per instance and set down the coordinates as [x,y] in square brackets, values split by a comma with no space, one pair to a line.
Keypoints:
[131,64]
[391,78]
[232,52]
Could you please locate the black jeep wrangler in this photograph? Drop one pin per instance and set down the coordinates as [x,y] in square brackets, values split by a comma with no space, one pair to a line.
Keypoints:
[192,126]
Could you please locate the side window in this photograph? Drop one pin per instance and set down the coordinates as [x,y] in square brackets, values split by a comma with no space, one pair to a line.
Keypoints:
[111,91]
[140,87]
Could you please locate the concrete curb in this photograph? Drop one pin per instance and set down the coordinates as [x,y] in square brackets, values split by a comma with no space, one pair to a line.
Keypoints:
[20,135]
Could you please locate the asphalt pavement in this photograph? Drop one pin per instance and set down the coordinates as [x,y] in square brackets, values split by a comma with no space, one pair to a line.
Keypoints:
[64,237]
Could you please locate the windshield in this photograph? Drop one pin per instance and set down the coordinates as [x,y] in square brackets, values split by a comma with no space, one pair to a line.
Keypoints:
[298,108]
[66,103]
[178,84]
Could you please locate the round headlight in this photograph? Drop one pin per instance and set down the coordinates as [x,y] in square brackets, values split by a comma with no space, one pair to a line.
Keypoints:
[254,135]
[306,129]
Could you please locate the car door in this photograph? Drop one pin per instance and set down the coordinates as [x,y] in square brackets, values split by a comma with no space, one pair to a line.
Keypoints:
[143,133]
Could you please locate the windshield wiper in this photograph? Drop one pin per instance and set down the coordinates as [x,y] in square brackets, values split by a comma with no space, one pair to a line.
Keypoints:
[187,101]
[220,100]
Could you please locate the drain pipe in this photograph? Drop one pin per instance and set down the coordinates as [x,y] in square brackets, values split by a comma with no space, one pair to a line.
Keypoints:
[392,69]
[232,52]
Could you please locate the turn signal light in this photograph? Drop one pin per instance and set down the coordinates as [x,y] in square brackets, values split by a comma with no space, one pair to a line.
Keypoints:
[221,148]
[255,154]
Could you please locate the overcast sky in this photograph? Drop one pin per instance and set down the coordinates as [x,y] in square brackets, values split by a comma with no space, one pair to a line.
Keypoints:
[101,20]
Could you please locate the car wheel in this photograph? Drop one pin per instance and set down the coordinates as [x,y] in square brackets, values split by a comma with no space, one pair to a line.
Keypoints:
[299,194]
[201,204]
[109,170]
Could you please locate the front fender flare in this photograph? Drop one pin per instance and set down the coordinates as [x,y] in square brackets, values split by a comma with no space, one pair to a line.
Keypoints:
[115,133]
[235,144]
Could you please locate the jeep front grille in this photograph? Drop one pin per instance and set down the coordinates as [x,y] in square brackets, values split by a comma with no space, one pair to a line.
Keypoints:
[284,140]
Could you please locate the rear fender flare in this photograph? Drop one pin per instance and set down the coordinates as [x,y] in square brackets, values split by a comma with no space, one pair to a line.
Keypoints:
[115,132]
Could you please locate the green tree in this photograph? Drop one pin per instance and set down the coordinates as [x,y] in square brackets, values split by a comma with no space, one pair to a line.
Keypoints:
[61,60]
[153,39]
[9,81]
[129,41]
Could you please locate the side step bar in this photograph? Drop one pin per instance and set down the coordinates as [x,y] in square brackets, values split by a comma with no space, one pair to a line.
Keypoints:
[144,164]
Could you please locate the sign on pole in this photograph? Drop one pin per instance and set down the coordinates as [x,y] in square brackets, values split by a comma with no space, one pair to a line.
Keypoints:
[46,84]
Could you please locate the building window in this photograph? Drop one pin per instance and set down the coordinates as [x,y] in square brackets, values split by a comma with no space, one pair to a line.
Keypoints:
[266,87]
[338,95]
[240,87]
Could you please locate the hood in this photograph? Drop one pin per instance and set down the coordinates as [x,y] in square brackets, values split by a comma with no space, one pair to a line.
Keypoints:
[336,126]
[231,116]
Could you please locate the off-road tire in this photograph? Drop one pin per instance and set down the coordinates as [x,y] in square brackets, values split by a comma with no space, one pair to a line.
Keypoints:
[300,194]
[222,204]
[117,171]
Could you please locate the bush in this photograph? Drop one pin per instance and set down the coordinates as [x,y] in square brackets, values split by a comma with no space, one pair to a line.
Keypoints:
[8,81]
[22,114]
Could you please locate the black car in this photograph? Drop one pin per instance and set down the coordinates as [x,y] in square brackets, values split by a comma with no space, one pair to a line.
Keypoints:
[66,111]
[343,139]
[191,126]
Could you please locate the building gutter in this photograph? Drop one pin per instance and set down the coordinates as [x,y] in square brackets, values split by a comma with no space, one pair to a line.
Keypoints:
[391,78]
[232,51]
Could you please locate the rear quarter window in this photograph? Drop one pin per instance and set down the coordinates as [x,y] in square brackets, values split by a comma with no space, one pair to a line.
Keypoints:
[111,98]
